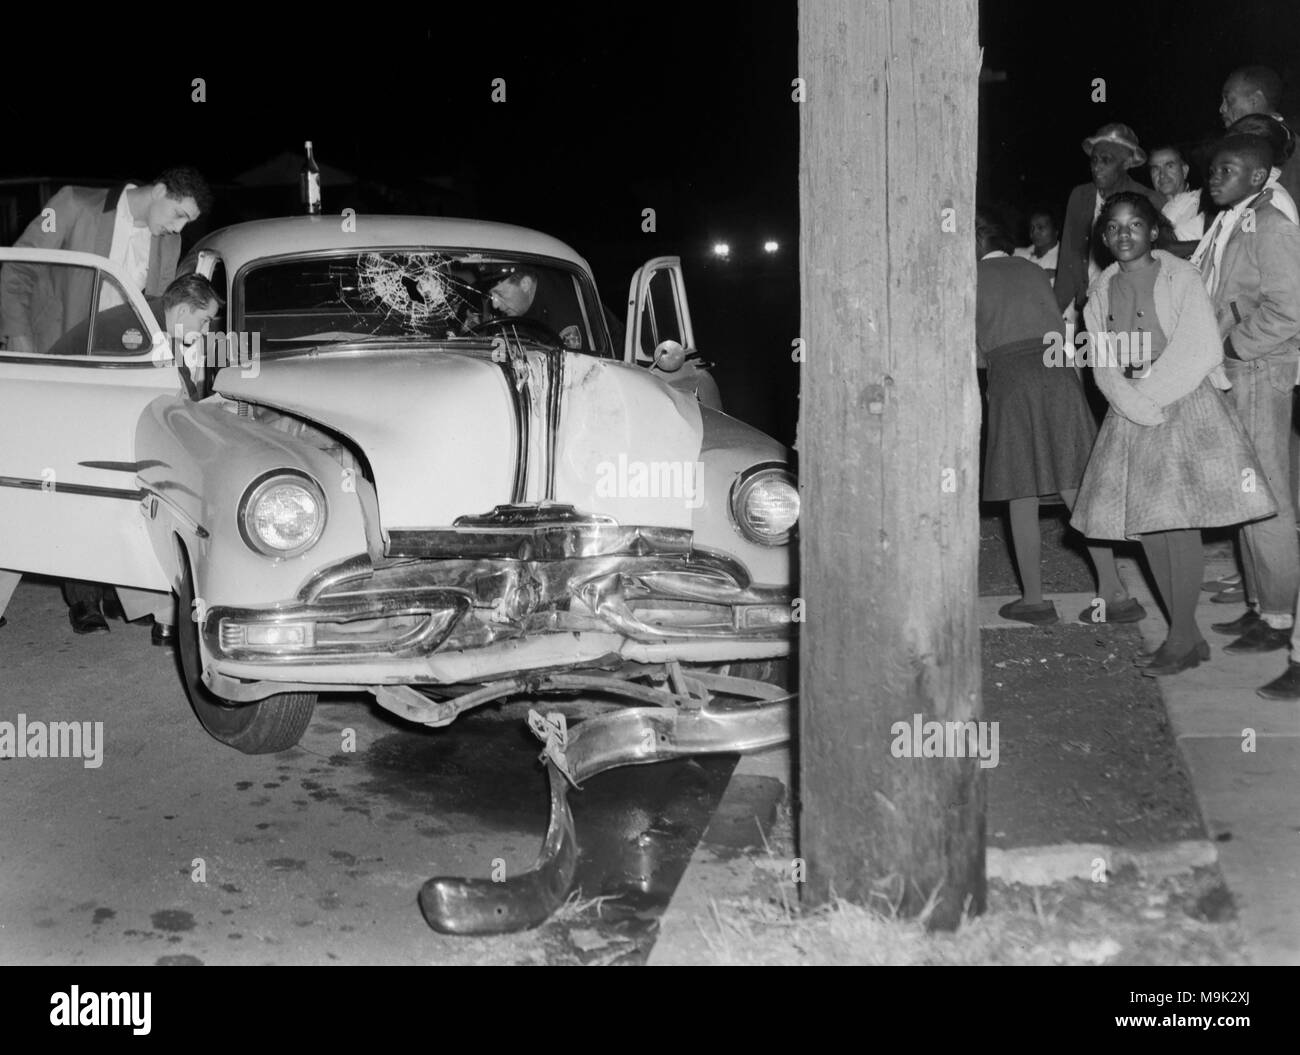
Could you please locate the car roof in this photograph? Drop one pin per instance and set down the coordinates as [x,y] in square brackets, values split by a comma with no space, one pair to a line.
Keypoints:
[243,243]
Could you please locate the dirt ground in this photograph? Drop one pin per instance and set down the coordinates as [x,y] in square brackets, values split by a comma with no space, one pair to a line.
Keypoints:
[1065,560]
[1086,752]
[1186,919]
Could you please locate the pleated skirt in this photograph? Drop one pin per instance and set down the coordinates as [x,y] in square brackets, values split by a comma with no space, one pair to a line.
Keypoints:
[1040,429]
[1196,470]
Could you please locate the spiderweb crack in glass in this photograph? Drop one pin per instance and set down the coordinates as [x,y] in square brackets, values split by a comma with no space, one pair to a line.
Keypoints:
[417,288]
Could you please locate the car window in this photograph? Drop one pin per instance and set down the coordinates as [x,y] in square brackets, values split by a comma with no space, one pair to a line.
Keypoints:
[218,280]
[97,319]
[425,294]
[659,320]
[117,329]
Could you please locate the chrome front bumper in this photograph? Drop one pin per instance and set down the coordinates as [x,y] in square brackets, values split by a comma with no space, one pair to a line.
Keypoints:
[507,598]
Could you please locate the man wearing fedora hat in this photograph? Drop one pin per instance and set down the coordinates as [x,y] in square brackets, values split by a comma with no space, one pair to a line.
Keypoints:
[1112,151]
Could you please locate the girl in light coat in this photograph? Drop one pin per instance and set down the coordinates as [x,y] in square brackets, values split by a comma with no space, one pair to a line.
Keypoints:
[1171,457]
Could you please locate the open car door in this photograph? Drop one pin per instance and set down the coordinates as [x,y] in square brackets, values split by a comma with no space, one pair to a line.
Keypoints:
[70,503]
[659,332]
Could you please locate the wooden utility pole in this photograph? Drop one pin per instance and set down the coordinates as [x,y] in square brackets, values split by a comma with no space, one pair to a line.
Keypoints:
[888,449]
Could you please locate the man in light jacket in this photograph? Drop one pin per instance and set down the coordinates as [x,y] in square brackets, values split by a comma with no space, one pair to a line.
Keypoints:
[137,226]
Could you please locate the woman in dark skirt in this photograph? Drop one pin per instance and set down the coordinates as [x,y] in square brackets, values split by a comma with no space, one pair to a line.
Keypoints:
[1172,456]
[1040,429]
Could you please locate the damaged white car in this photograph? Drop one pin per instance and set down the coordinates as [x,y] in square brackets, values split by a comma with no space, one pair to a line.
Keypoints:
[414,462]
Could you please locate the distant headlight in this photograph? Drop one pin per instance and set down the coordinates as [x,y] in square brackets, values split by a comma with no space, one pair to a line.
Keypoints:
[765,504]
[282,513]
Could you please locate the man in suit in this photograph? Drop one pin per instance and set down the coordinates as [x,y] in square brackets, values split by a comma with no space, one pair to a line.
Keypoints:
[1250,260]
[137,227]
[1112,151]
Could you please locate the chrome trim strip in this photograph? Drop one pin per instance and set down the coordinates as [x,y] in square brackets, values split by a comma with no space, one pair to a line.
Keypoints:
[442,609]
[84,361]
[517,382]
[24,484]
[179,513]
[555,361]
[352,569]
[548,542]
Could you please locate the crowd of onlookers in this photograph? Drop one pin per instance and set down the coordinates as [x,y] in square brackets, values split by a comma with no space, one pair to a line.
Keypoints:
[1183,307]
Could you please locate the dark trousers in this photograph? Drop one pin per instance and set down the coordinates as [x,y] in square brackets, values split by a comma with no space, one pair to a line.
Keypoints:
[1261,390]
[91,593]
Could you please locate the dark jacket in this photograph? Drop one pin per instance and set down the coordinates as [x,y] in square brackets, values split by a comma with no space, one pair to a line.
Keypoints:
[1076,239]
[1013,305]
[117,332]
[42,302]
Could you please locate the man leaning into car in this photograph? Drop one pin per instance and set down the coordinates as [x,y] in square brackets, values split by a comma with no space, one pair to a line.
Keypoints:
[137,226]
[185,309]
[183,313]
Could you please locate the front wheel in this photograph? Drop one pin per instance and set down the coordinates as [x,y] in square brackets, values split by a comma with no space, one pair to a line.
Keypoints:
[260,728]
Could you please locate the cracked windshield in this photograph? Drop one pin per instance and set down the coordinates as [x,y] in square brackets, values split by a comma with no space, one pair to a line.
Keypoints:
[426,295]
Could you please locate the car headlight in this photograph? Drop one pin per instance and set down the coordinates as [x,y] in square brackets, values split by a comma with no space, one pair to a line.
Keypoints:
[765,504]
[282,513]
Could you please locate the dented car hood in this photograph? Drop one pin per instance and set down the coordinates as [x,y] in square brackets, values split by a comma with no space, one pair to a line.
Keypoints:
[453,433]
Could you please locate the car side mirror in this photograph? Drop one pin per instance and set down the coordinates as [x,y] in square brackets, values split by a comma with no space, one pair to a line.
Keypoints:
[669,356]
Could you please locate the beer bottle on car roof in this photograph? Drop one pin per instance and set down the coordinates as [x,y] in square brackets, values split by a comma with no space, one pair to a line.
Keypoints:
[310,182]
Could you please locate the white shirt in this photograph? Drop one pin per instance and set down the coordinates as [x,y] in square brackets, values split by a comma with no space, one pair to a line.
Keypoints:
[1093,269]
[1282,199]
[1216,240]
[1183,211]
[130,251]
[1047,261]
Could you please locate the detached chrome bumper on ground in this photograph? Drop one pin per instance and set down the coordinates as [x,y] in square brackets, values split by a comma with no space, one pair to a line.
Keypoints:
[636,736]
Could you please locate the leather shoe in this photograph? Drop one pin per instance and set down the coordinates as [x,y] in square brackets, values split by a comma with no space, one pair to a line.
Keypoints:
[1260,638]
[1284,687]
[1239,625]
[1232,595]
[1161,666]
[1043,614]
[112,608]
[1225,582]
[162,635]
[1148,658]
[87,619]
[3,620]
[1129,610]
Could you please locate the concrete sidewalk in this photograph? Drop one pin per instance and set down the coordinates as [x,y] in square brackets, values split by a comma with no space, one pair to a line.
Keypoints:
[1249,800]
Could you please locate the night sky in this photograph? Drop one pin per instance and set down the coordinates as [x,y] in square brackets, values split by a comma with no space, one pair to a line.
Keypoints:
[605,114]
[609,111]
[1163,62]
[683,108]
